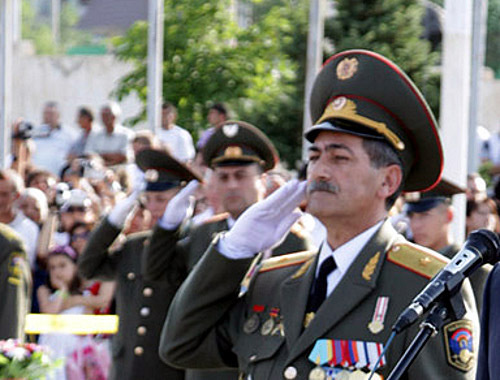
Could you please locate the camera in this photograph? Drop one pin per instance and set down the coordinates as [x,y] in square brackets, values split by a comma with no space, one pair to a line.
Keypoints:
[24,131]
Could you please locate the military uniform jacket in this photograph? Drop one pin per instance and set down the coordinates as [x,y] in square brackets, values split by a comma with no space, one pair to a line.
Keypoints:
[489,363]
[205,326]
[170,258]
[141,305]
[15,280]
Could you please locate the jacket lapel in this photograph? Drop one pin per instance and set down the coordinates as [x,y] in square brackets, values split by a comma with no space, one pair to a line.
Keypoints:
[359,281]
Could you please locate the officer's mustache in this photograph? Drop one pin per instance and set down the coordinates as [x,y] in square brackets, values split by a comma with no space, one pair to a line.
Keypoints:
[321,186]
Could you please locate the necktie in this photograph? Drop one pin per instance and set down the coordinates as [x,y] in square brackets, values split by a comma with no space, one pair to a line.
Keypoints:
[318,291]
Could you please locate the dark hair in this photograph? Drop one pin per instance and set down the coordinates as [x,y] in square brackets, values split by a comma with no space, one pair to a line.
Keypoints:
[87,112]
[382,155]
[473,205]
[169,105]
[36,173]
[220,107]
[76,282]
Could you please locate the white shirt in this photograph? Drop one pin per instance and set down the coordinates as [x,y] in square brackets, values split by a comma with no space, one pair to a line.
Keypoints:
[28,230]
[116,142]
[179,142]
[344,256]
[52,147]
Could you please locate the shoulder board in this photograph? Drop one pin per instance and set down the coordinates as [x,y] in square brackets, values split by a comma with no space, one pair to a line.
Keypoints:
[417,259]
[9,233]
[217,218]
[283,261]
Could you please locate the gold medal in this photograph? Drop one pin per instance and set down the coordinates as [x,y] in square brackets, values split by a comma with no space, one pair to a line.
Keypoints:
[308,318]
[317,373]
[251,324]
[343,375]
[375,326]
[267,327]
[358,375]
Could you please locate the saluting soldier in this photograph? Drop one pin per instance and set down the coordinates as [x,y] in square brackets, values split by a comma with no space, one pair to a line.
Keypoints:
[16,283]
[431,214]
[327,314]
[239,155]
[141,304]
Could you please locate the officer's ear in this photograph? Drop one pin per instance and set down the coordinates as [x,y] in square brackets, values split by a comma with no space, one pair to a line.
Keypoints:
[391,180]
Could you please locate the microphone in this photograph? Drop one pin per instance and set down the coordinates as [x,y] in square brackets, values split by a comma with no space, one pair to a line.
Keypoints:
[481,247]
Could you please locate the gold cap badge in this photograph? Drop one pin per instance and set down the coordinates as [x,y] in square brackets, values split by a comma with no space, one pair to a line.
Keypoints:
[347,68]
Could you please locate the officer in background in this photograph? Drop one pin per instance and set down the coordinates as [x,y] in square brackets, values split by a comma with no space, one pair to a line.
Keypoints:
[431,215]
[141,304]
[327,314]
[15,280]
[239,155]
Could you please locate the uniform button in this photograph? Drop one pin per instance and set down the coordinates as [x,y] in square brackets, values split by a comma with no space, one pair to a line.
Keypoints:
[290,373]
[252,358]
[144,311]
[131,276]
[141,330]
[138,350]
[147,292]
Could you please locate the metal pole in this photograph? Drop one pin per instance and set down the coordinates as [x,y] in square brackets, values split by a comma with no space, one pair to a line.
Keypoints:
[155,64]
[480,12]
[17,22]
[455,93]
[56,20]
[6,52]
[314,59]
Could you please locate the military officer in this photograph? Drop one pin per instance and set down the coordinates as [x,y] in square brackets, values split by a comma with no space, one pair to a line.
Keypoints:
[431,214]
[15,279]
[239,155]
[328,314]
[141,304]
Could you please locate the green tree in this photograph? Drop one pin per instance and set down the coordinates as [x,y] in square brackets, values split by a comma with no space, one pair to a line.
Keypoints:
[493,37]
[209,58]
[392,28]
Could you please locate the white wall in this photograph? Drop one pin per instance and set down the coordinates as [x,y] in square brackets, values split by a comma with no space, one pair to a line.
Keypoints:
[71,81]
[489,114]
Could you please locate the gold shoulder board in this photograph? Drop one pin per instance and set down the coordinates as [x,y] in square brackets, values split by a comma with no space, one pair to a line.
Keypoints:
[286,260]
[417,259]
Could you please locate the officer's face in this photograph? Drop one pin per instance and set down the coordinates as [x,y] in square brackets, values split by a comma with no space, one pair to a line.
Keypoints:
[239,187]
[157,201]
[430,228]
[343,186]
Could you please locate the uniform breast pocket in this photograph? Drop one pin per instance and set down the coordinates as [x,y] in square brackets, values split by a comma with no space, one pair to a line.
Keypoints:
[256,353]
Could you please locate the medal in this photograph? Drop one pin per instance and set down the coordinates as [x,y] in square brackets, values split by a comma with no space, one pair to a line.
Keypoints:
[343,375]
[317,373]
[267,327]
[377,323]
[358,375]
[251,324]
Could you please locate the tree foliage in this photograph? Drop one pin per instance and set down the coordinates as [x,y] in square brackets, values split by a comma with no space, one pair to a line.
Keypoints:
[493,37]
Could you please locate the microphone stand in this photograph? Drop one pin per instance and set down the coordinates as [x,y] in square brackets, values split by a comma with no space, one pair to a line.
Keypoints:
[443,311]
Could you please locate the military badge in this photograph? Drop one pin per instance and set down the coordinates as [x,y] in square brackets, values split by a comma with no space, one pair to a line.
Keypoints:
[308,319]
[459,347]
[370,267]
[269,326]
[377,323]
[17,260]
[252,323]
[230,130]
[317,373]
[347,68]
[151,175]
[339,103]
[233,152]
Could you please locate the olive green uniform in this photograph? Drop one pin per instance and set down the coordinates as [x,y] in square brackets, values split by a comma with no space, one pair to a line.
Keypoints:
[477,279]
[171,258]
[141,304]
[208,325]
[15,279]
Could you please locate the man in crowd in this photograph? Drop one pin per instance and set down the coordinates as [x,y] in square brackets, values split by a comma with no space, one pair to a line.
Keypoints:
[178,141]
[305,314]
[85,120]
[112,143]
[52,141]
[141,304]
[15,280]
[239,155]
[431,215]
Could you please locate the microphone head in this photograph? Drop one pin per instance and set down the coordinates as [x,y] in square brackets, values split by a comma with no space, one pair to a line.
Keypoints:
[487,243]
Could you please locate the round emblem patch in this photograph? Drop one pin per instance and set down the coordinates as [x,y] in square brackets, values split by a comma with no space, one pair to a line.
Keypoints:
[347,68]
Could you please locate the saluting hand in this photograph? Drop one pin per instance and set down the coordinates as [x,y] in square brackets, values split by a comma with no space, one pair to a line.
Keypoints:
[265,224]
[175,212]
[122,209]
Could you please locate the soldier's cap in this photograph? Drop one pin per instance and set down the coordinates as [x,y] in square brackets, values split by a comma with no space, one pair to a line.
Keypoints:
[365,94]
[239,143]
[425,201]
[162,171]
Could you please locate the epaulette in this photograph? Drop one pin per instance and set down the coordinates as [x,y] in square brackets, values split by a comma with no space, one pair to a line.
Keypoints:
[217,218]
[9,233]
[417,259]
[283,261]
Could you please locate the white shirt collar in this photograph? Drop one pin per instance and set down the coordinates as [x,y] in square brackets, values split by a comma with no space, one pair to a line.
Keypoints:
[347,252]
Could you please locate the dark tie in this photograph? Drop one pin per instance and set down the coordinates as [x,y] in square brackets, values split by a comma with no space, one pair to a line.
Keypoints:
[318,291]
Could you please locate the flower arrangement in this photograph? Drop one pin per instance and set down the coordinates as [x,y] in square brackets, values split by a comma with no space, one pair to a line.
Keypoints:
[24,360]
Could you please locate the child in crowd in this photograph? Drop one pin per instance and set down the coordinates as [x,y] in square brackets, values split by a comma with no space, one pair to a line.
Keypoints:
[63,295]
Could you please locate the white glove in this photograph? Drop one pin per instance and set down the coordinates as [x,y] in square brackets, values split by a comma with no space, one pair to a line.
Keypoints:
[265,224]
[118,215]
[175,212]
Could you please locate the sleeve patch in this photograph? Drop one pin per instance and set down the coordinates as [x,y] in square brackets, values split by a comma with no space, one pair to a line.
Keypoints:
[458,343]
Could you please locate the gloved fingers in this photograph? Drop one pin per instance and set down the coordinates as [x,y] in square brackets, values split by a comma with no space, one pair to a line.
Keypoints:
[284,226]
[295,197]
[286,200]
